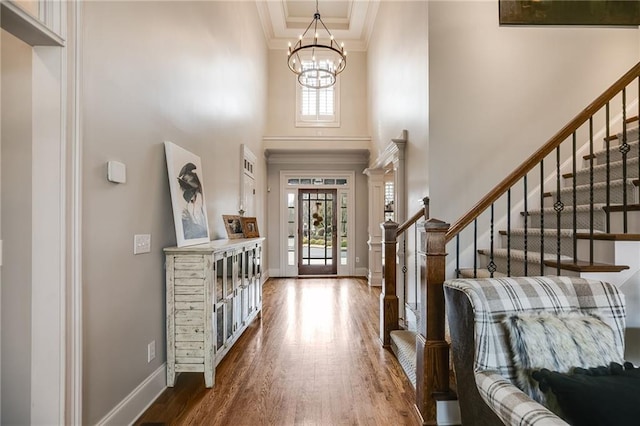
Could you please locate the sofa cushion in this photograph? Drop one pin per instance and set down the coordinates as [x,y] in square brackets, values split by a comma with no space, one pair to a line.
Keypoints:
[599,396]
[558,342]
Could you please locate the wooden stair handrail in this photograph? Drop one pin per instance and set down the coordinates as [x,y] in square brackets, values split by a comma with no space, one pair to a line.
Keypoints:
[424,212]
[493,195]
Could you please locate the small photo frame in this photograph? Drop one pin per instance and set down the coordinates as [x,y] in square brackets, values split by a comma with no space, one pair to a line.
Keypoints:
[250,227]
[233,225]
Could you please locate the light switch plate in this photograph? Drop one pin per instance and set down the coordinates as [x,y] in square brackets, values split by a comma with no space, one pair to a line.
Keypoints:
[142,243]
[116,172]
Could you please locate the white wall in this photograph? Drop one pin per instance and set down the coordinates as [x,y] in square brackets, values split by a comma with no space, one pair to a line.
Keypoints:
[397,65]
[498,93]
[193,73]
[16,229]
[282,96]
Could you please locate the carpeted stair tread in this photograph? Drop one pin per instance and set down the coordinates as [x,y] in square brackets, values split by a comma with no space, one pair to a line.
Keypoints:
[551,260]
[632,130]
[617,183]
[567,209]
[614,152]
[600,172]
[403,344]
[532,256]
[548,232]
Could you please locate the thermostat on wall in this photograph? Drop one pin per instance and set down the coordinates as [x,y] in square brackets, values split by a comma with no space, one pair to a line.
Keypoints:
[116,172]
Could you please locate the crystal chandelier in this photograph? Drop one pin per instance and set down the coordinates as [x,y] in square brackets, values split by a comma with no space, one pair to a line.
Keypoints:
[317,59]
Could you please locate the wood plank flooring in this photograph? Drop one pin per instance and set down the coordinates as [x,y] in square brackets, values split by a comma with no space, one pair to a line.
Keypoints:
[314,358]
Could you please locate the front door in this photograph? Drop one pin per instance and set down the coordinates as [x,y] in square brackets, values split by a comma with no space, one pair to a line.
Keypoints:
[317,245]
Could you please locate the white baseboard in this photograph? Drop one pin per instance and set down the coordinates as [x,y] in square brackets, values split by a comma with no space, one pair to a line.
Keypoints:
[132,407]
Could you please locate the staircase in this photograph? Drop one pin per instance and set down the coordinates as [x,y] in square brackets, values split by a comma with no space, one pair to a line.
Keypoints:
[553,241]
[570,209]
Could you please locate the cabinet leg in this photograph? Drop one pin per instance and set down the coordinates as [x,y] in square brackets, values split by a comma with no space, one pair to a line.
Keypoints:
[208,379]
[171,377]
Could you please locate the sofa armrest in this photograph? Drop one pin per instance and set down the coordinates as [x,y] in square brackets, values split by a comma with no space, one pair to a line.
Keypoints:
[511,405]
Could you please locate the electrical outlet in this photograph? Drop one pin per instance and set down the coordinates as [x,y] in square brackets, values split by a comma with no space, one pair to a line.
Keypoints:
[357,259]
[151,351]
[141,243]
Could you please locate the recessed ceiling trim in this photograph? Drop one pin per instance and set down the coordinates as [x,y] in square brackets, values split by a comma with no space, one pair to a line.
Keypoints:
[281,26]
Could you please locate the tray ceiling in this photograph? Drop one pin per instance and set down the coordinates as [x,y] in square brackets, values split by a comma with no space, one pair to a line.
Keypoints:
[349,21]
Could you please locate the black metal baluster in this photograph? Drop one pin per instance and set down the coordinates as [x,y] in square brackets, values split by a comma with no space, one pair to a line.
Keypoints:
[591,190]
[491,267]
[475,248]
[608,154]
[624,149]
[405,284]
[526,217]
[558,206]
[575,203]
[509,232]
[415,263]
[541,214]
[457,256]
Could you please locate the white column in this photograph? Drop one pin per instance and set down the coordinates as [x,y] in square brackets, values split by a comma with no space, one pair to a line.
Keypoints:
[376,217]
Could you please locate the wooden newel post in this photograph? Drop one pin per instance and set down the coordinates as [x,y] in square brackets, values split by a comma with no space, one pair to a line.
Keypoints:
[389,297]
[432,369]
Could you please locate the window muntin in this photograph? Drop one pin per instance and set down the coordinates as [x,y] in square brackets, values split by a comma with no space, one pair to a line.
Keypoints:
[317,107]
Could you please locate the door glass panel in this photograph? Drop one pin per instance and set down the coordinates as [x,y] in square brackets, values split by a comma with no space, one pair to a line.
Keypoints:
[317,219]
[228,283]
[219,279]
[343,228]
[291,229]
[220,326]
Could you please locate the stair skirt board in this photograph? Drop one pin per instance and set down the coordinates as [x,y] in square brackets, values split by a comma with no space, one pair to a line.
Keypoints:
[403,345]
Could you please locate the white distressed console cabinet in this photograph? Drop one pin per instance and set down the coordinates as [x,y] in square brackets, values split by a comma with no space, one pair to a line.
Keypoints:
[214,291]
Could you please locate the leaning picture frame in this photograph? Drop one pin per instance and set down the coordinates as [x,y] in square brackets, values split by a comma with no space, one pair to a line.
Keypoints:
[250,227]
[233,225]
[186,184]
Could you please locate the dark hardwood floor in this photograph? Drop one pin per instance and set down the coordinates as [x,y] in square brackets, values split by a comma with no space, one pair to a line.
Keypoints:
[314,358]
